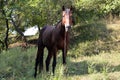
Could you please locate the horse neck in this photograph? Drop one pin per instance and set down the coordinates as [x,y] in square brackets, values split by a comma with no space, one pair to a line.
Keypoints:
[61,28]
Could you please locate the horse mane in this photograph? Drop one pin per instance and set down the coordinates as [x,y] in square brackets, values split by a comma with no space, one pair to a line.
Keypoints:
[59,23]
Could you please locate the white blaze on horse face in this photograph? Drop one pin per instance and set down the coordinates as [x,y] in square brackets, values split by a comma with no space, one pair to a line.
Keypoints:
[67,21]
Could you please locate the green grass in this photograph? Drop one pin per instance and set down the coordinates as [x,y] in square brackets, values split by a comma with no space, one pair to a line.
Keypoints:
[19,65]
[94,54]
[16,63]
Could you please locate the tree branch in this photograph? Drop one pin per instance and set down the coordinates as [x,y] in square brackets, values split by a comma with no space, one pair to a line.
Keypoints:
[18,30]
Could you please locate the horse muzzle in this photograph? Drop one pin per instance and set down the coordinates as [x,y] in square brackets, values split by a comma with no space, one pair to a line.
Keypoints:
[67,28]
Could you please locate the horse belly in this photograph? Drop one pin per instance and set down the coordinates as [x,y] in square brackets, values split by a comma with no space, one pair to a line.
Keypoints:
[47,34]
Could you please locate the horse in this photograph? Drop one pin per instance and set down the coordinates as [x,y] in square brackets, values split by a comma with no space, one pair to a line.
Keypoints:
[54,38]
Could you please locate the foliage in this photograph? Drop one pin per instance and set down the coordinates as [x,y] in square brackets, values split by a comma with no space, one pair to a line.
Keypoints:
[27,13]
[94,46]
[101,6]
[92,10]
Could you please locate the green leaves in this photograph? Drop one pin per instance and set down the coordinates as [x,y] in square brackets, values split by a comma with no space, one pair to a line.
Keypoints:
[104,6]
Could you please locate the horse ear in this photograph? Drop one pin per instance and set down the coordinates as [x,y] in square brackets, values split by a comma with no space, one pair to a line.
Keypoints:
[63,8]
[71,8]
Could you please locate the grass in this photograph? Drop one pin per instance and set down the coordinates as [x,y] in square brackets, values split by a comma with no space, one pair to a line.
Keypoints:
[105,66]
[16,63]
[94,55]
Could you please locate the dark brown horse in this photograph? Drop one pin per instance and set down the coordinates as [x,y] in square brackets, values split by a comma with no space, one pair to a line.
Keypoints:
[54,39]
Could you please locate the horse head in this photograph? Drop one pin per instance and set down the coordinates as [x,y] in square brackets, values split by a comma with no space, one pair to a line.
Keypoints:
[67,19]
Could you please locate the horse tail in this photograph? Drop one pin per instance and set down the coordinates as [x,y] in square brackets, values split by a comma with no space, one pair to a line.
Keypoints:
[38,30]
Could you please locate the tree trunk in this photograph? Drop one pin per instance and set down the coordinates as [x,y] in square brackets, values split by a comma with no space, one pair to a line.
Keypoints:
[6,36]
[7,26]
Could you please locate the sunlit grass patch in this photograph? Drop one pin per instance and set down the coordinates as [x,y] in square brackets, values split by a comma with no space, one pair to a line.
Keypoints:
[105,65]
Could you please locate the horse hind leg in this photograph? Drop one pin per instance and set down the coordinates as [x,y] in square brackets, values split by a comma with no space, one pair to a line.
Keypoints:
[36,65]
[39,59]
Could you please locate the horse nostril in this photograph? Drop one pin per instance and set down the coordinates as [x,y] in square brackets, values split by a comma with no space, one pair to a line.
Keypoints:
[69,27]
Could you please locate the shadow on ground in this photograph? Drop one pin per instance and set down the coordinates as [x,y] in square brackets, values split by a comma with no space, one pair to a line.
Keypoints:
[86,67]
[89,32]
[77,68]
[95,35]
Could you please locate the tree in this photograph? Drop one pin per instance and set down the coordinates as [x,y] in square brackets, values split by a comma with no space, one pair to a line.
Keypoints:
[5,16]
[101,7]
[20,14]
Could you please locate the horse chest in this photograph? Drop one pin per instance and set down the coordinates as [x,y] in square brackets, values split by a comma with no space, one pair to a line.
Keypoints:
[60,43]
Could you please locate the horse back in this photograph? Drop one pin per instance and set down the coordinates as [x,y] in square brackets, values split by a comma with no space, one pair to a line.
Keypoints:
[46,34]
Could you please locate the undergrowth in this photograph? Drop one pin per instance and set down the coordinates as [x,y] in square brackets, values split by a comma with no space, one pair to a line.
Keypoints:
[94,54]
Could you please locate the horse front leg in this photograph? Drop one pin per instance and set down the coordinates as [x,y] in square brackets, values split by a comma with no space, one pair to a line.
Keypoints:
[48,60]
[64,54]
[54,61]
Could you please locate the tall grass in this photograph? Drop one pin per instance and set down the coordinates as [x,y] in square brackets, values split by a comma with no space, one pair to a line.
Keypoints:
[16,64]
[94,54]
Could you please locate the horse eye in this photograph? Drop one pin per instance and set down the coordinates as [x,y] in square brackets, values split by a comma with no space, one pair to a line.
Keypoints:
[63,15]
[70,14]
